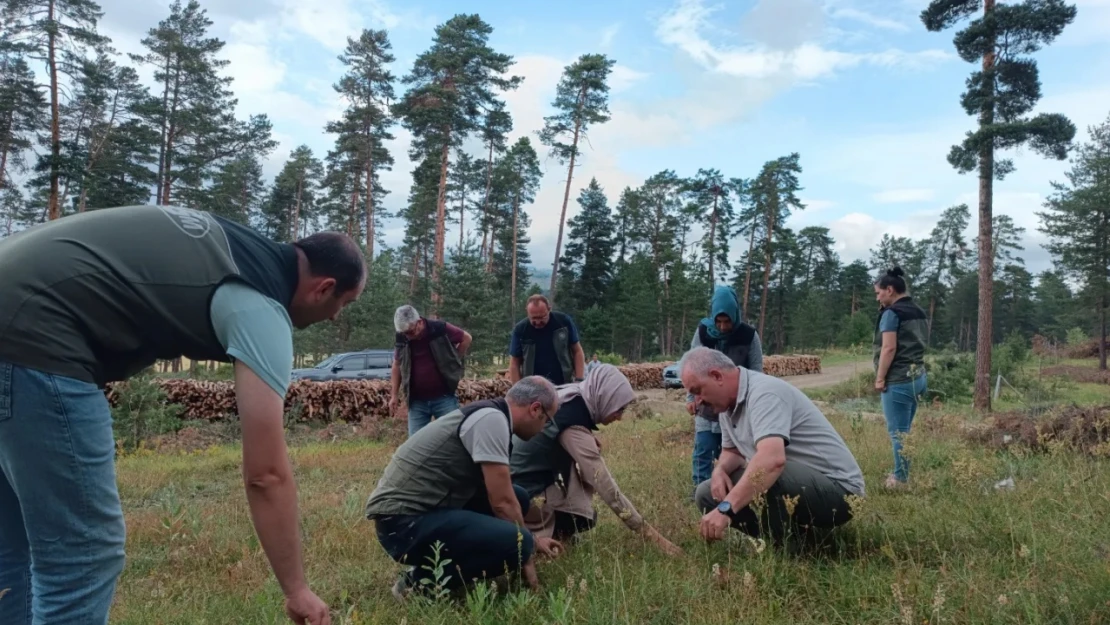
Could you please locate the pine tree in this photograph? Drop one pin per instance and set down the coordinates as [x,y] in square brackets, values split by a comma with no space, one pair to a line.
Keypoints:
[711,194]
[465,182]
[582,99]
[1077,222]
[899,252]
[237,190]
[368,88]
[419,217]
[775,191]
[496,126]
[291,204]
[520,176]
[1001,94]
[194,111]
[587,263]
[58,33]
[21,113]
[450,86]
[945,254]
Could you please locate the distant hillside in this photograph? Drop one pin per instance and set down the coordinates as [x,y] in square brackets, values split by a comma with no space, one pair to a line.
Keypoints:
[541,277]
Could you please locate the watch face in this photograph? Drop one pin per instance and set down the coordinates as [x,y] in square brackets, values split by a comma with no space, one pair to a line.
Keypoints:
[724,507]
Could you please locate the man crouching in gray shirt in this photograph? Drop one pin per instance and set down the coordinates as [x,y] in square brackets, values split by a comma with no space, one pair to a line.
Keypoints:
[774,442]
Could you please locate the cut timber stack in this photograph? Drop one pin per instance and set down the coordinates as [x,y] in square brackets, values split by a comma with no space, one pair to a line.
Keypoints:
[784,366]
[360,400]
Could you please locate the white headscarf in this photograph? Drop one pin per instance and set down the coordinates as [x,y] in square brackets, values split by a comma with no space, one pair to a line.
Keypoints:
[605,391]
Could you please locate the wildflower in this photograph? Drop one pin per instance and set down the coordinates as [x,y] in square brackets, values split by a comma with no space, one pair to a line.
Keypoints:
[1024,551]
[1003,600]
[855,504]
[570,582]
[938,601]
[582,585]
[749,581]
[905,609]
[716,571]
[790,503]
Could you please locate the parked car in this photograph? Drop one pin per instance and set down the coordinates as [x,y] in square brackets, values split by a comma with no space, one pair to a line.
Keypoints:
[670,377]
[370,364]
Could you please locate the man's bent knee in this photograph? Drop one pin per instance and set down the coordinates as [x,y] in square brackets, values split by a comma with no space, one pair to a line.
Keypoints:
[703,496]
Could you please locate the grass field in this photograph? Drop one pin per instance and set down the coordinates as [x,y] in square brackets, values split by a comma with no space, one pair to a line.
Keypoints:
[953,549]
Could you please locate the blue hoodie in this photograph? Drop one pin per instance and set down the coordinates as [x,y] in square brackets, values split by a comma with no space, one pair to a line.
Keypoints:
[724,302]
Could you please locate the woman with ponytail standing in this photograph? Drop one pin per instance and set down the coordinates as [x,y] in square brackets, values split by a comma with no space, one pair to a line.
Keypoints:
[900,341]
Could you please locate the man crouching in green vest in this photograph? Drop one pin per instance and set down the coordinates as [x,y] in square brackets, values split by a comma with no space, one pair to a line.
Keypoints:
[448,487]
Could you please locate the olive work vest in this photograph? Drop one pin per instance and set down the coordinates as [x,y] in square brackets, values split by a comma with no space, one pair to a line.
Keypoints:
[913,328]
[432,470]
[447,359]
[102,295]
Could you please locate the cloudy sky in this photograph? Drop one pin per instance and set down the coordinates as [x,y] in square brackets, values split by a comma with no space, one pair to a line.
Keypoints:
[859,88]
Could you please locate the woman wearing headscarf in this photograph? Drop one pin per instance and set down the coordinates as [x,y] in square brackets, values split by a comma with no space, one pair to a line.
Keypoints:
[723,331]
[562,468]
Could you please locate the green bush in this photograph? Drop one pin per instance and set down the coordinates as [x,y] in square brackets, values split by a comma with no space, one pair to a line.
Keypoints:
[951,376]
[1076,336]
[608,358]
[141,412]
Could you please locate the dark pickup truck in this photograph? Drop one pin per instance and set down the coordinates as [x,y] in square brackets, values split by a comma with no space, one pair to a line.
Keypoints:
[370,364]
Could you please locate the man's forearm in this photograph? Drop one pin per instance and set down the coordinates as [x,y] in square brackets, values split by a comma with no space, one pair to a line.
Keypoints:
[759,476]
[507,509]
[514,370]
[273,506]
[579,361]
[886,357]
[395,379]
[729,461]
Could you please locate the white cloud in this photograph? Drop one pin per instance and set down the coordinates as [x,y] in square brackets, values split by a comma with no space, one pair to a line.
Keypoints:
[864,17]
[608,35]
[902,196]
[624,77]
[683,28]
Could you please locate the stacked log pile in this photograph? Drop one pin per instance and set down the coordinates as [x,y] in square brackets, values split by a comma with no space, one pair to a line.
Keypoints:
[785,366]
[362,400]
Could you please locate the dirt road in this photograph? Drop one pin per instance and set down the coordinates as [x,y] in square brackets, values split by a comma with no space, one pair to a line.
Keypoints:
[830,375]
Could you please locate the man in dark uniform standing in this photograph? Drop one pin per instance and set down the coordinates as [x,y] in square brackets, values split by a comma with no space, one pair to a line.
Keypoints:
[99,297]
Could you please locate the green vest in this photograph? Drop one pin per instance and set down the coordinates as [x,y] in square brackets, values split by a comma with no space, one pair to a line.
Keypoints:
[432,470]
[913,328]
[560,340]
[447,358]
[100,296]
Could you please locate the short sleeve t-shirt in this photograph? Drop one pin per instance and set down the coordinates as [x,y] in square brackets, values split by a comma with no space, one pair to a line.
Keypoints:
[547,361]
[425,380]
[767,406]
[486,436]
[888,322]
[255,330]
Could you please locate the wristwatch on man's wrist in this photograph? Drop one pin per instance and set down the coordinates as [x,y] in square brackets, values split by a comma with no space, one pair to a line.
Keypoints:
[725,508]
[576,380]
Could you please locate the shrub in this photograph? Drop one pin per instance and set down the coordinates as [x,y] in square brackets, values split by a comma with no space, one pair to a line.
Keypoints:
[141,411]
[951,376]
[1076,337]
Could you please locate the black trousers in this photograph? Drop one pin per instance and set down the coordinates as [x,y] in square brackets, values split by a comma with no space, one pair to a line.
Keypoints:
[479,545]
[820,503]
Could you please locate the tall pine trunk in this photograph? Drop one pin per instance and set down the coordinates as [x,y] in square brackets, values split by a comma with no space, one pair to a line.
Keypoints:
[441,217]
[566,192]
[748,274]
[512,288]
[297,209]
[6,147]
[986,234]
[487,226]
[55,122]
[352,216]
[767,265]
[370,203]
[713,241]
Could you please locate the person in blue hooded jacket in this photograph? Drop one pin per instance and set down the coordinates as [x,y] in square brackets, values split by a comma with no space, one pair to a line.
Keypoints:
[725,332]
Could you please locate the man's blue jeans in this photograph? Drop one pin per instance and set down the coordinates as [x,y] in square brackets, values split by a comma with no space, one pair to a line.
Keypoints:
[899,407]
[421,411]
[707,448]
[61,524]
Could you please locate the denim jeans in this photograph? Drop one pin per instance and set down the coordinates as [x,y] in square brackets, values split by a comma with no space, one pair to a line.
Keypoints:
[707,447]
[61,524]
[899,407]
[421,411]
[479,545]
